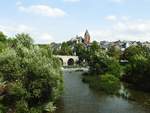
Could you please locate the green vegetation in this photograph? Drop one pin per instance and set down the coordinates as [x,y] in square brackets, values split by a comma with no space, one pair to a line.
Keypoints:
[3,42]
[80,52]
[101,63]
[114,52]
[138,70]
[104,71]
[107,82]
[105,65]
[135,50]
[64,50]
[30,77]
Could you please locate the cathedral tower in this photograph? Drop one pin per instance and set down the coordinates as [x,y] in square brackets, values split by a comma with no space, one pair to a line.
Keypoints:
[87,38]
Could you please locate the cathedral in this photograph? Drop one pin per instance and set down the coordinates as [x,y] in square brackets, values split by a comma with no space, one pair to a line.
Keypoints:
[79,39]
[87,38]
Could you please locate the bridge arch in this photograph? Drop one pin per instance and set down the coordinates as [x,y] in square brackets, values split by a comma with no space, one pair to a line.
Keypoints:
[68,60]
[71,62]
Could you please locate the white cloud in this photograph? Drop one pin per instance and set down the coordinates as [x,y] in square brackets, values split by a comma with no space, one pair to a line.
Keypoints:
[43,10]
[72,0]
[44,38]
[13,29]
[124,28]
[111,18]
[18,3]
[116,18]
[38,37]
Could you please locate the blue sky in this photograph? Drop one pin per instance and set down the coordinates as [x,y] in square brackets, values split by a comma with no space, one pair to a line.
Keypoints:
[59,20]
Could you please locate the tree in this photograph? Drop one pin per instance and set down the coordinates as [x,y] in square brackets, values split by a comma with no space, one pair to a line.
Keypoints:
[95,47]
[104,72]
[114,52]
[134,50]
[24,39]
[137,71]
[2,37]
[32,77]
[65,49]
[101,63]
[91,50]
[80,51]
[3,41]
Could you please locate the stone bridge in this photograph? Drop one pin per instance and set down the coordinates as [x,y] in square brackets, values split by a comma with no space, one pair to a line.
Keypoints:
[68,60]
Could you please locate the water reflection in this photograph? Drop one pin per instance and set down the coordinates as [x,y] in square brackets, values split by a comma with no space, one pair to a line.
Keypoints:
[142,98]
[79,98]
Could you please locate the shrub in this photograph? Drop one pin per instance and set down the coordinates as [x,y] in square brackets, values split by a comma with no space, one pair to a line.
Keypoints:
[109,83]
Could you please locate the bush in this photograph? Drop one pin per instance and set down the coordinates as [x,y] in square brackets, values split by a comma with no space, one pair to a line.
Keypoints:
[107,82]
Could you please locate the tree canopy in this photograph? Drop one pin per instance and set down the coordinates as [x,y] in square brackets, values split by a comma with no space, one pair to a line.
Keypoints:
[31,78]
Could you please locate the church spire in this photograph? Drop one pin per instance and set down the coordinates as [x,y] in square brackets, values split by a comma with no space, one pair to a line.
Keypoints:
[87,37]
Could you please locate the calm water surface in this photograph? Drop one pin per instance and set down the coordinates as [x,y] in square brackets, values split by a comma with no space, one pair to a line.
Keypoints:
[79,98]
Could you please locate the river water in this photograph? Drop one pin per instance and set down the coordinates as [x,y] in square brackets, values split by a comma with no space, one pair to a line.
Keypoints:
[79,98]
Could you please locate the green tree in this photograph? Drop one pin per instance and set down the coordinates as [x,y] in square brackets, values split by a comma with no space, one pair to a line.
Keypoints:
[32,77]
[95,47]
[23,39]
[2,37]
[80,50]
[91,50]
[101,63]
[114,52]
[134,50]
[3,41]
[137,71]
[65,49]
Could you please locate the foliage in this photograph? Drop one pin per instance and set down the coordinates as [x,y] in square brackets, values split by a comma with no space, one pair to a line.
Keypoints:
[80,50]
[95,47]
[3,109]
[91,50]
[137,71]
[65,49]
[49,107]
[2,37]
[31,74]
[107,82]
[134,50]
[104,71]
[3,41]
[114,52]
[24,39]
[101,63]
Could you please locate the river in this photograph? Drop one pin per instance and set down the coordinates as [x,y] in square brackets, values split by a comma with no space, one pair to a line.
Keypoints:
[79,98]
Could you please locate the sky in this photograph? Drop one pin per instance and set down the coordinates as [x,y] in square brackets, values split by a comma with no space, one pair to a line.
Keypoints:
[60,20]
